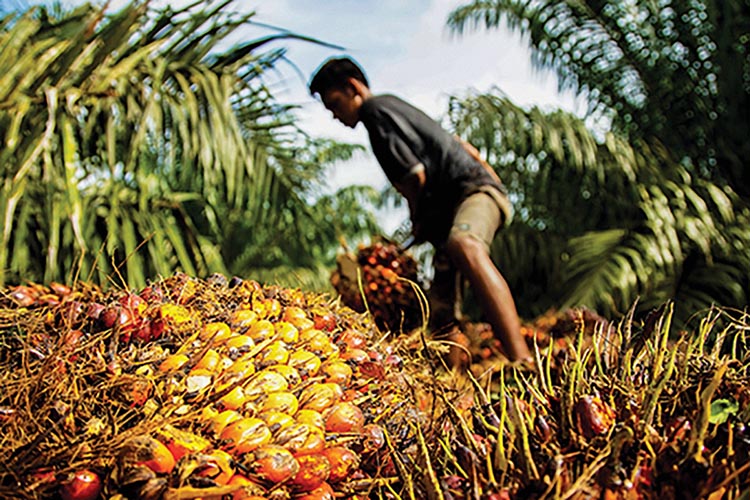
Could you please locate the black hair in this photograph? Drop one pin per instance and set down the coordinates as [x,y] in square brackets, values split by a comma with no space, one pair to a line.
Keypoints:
[334,73]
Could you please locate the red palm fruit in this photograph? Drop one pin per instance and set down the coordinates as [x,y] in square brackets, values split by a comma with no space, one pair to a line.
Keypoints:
[343,461]
[81,485]
[313,472]
[337,372]
[593,416]
[324,319]
[273,463]
[344,417]
[355,356]
[23,296]
[133,303]
[322,492]
[373,438]
[245,435]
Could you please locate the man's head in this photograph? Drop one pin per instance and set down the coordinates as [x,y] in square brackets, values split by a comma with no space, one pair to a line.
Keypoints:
[342,87]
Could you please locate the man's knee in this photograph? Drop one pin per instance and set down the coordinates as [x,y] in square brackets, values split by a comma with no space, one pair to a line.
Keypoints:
[463,246]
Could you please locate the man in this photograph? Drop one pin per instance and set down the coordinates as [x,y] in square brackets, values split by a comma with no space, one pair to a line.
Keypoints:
[456,203]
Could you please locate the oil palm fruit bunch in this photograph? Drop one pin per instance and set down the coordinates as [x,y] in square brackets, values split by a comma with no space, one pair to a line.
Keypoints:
[195,388]
[379,278]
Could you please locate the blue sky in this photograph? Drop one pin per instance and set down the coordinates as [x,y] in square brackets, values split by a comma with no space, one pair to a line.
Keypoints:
[406,49]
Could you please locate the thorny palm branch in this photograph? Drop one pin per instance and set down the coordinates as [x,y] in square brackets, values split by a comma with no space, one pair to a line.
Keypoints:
[131,145]
[647,209]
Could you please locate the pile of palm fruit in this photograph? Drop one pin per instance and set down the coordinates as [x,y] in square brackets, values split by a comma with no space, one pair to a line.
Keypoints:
[228,389]
[381,279]
[193,389]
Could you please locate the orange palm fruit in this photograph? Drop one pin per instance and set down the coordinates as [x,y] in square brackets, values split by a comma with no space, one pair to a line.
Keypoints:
[217,332]
[344,417]
[301,439]
[242,319]
[268,308]
[282,401]
[148,452]
[211,361]
[306,363]
[245,435]
[267,381]
[250,490]
[276,420]
[312,418]
[273,463]
[181,442]
[218,466]
[261,330]
[354,355]
[217,423]
[314,470]
[275,353]
[173,362]
[319,397]
[240,343]
[337,372]
[318,342]
[343,461]
[233,400]
[239,370]
[286,332]
[293,314]
[322,492]
[291,374]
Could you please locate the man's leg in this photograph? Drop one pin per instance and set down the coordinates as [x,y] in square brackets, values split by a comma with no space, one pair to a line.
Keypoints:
[492,293]
[475,224]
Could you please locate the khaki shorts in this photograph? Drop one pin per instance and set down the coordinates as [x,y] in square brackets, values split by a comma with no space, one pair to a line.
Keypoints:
[481,214]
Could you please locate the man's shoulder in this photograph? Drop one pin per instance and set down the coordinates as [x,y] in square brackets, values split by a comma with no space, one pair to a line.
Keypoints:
[384,102]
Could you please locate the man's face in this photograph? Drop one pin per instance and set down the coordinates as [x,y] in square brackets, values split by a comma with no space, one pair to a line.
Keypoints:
[344,104]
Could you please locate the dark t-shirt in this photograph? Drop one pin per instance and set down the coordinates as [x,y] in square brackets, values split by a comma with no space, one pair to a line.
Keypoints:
[402,136]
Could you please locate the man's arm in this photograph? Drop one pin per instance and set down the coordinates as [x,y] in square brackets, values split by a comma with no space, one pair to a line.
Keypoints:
[410,186]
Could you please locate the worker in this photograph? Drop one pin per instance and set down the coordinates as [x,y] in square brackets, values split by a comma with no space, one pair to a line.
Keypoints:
[456,202]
